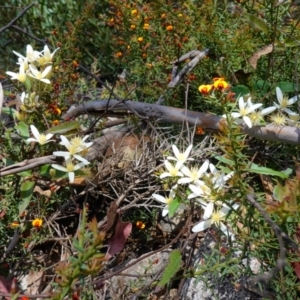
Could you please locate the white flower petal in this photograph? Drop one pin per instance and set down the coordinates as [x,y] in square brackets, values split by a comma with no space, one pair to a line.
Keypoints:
[235,115]
[32,140]
[165,211]
[279,95]
[71,176]
[196,190]
[203,168]
[224,229]
[268,110]
[253,107]
[289,112]
[159,198]
[184,180]
[247,121]
[202,225]
[175,151]
[35,132]
[188,150]
[64,141]
[80,158]
[293,100]
[208,210]
[241,103]
[65,154]
[59,167]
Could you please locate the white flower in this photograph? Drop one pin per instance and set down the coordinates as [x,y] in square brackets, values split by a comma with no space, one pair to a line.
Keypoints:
[180,157]
[29,100]
[21,76]
[46,57]
[257,117]
[165,200]
[76,145]
[293,120]
[38,75]
[38,137]
[70,168]
[216,218]
[218,179]
[245,108]
[193,174]
[284,102]
[210,195]
[172,171]
[31,55]
[24,62]
[80,142]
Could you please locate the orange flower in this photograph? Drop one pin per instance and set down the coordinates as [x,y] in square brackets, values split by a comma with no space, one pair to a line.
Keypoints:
[119,54]
[55,122]
[134,12]
[146,26]
[37,223]
[54,109]
[199,130]
[75,64]
[191,77]
[132,26]
[14,224]
[220,83]
[144,55]
[163,16]
[24,298]
[140,39]
[169,28]
[205,88]
[140,224]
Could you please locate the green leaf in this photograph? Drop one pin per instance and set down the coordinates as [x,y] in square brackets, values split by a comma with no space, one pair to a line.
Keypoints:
[225,160]
[286,86]
[23,130]
[77,246]
[257,22]
[280,192]
[25,173]
[64,127]
[173,206]
[240,90]
[261,85]
[172,267]
[266,171]
[292,41]
[9,110]
[44,170]
[26,194]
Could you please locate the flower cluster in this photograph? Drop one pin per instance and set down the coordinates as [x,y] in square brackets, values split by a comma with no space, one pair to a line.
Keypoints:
[35,64]
[205,184]
[253,114]
[76,147]
[34,68]
[218,84]
[37,223]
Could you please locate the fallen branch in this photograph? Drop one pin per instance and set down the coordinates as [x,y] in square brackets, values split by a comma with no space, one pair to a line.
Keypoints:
[27,164]
[166,114]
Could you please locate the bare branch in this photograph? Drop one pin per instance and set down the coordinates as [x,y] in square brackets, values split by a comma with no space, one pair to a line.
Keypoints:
[11,23]
[166,114]
[27,164]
